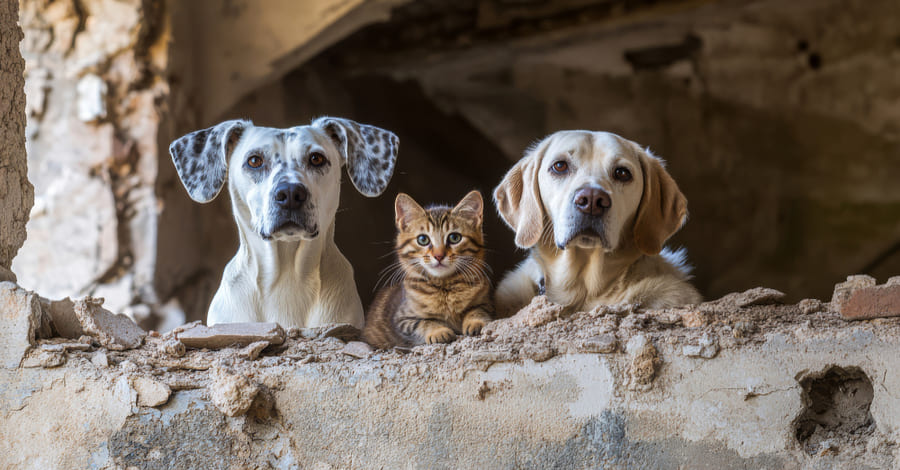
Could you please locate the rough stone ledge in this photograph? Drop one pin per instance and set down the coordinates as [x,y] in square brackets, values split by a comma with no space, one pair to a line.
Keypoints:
[616,387]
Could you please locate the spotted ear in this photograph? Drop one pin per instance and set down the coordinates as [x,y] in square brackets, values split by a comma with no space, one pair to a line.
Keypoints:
[368,151]
[201,158]
[518,197]
[663,208]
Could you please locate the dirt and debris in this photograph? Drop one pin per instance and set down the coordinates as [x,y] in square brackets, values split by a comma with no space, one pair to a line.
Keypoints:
[644,363]
[235,361]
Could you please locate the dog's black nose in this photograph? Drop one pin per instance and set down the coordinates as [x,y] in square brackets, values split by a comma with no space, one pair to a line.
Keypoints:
[592,200]
[290,195]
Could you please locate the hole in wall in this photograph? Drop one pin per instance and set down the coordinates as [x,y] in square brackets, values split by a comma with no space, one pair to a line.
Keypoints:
[836,411]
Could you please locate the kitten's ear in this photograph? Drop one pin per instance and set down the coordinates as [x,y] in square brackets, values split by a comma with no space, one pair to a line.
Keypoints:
[471,207]
[406,209]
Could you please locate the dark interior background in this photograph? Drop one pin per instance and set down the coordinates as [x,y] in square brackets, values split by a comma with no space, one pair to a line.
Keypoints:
[778,129]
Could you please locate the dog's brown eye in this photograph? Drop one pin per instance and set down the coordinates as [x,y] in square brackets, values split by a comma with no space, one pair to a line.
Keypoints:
[622,174]
[560,167]
[255,161]
[316,159]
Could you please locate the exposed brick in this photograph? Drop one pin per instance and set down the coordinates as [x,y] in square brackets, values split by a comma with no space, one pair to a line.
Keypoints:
[872,302]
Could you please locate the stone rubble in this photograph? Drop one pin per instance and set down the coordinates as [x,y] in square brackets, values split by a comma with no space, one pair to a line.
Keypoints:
[358,349]
[150,392]
[755,296]
[231,392]
[113,331]
[227,334]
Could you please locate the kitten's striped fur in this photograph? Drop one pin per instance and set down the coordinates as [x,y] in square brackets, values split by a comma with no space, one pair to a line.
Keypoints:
[444,287]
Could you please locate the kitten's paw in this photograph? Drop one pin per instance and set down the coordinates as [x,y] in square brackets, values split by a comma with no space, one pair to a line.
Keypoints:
[440,334]
[472,326]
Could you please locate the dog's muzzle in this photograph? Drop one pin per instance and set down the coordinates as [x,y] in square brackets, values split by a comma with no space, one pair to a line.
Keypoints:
[290,196]
[290,214]
[586,227]
[592,201]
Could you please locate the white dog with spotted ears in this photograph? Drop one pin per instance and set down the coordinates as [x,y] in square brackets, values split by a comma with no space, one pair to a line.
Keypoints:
[285,187]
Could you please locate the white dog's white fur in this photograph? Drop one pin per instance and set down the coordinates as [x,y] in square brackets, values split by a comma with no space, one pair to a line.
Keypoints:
[285,187]
[581,260]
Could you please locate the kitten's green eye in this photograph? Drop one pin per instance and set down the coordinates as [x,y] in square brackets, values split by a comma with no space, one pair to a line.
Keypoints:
[454,238]
[423,240]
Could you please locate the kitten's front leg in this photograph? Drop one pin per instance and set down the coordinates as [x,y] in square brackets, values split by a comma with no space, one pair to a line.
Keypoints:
[475,319]
[425,330]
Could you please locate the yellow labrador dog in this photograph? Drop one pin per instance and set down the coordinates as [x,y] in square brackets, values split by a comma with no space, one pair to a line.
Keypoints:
[595,210]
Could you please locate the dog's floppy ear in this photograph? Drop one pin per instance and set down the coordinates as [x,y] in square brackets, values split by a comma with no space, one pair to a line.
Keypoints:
[201,158]
[663,208]
[518,197]
[368,151]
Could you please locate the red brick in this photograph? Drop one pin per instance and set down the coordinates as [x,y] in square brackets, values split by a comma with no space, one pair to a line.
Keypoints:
[872,302]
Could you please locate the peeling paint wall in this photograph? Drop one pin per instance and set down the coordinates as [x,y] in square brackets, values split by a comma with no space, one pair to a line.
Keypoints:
[16,193]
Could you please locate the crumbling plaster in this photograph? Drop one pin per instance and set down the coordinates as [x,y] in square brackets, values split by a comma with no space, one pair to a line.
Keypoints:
[94,77]
[16,193]
[539,390]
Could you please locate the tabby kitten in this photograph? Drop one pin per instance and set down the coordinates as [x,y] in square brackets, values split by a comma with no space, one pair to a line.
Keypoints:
[444,289]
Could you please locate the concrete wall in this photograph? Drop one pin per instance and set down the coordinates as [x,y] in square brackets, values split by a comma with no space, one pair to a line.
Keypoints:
[16,193]
[757,387]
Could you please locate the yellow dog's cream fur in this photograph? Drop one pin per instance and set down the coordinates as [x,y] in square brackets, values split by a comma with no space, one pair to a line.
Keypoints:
[625,262]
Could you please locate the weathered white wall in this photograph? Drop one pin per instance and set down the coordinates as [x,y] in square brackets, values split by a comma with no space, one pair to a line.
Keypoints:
[603,389]
[16,193]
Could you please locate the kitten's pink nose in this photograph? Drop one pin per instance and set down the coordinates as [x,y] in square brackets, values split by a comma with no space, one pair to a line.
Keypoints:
[439,256]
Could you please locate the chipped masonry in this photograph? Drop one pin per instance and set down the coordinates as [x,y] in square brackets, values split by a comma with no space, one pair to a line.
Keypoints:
[532,392]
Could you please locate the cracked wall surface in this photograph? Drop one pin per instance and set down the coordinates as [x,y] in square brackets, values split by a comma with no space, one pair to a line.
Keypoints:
[16,193]
[724,384]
